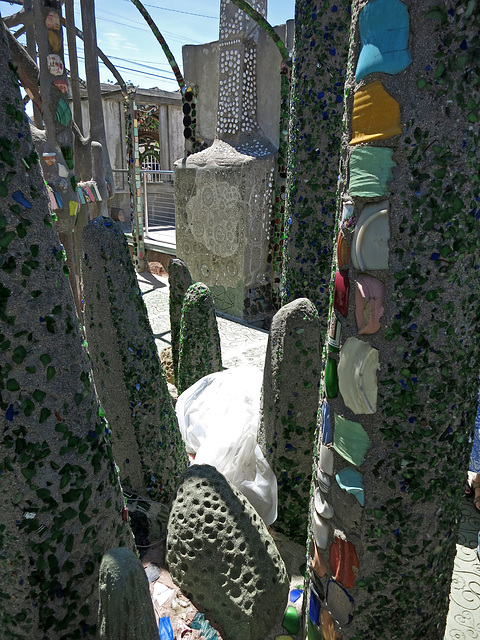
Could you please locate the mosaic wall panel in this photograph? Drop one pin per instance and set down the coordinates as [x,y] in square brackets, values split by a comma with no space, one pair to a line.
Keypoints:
[400,380]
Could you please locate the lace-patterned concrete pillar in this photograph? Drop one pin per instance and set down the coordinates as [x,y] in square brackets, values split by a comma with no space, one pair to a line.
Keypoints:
[223,195]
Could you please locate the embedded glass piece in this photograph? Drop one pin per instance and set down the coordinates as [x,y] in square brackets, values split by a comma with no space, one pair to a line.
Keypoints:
[343,560]
[331,377]
[370,240]
[326,423]
[357,376]
[351,440]
[370,171]
[314,607]
[384,28]
[376,115]
[369,295]
[335,332]
[351,481]
[291,621]
[341,291]
[343,251]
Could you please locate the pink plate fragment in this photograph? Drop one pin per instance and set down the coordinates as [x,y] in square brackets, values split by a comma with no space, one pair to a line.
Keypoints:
[369,295]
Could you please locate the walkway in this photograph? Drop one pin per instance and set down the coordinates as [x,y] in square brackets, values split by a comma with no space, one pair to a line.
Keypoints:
[244,345]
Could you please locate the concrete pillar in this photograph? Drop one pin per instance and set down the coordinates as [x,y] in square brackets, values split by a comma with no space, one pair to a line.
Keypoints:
[319,66]
[199,351]
[179,280]
[223,195]
[289,407]
[126,608]
[164,137]
[62,501]
[399,399]
[148,448]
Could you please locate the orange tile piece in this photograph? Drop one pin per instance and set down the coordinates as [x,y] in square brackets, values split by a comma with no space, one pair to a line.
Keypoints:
[328,627]
[344,562]
[319,563]
[376,115]
[343,251]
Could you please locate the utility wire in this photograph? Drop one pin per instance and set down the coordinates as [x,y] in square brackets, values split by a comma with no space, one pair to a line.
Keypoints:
[187,13]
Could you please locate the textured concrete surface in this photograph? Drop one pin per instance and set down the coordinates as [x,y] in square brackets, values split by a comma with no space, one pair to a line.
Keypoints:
[214,531]
[125,609]
[242,344]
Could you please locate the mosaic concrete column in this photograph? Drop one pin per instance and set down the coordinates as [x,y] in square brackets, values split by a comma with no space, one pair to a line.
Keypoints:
[199,344]
[56,142]
[134,180]
[179,279]
[289,407]
[130,381]
[61,498]
[399,397]
[319,65]
[223,195]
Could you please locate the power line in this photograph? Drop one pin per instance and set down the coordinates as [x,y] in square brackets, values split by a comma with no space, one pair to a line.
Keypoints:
[141,73]
[187,13]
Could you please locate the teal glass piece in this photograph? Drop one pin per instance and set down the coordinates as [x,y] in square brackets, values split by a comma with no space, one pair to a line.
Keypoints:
[350,440]
[63,114]
[384,27]
[351,481]
[370,171]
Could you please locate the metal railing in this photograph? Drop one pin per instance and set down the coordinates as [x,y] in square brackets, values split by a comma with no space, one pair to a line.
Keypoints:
[161,212]
[158,204]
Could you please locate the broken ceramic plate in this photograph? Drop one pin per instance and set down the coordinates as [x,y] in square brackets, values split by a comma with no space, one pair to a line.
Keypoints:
[344,562]
[319,563]
[370,240]
[341,291]
[369,295]
[384,30]
[351,481]
[323,481]
[321,506]
[348,215]
[357,376]
[321,531]
[326,460]
[340,603]
[376,115]
[351,440]
[328,626]
[55,64]
[370,172]
[343,251]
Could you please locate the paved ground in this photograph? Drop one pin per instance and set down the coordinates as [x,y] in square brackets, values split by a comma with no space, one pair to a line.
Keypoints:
[243,345]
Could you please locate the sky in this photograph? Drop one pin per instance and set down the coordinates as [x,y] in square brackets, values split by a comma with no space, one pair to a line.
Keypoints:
[126,39]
